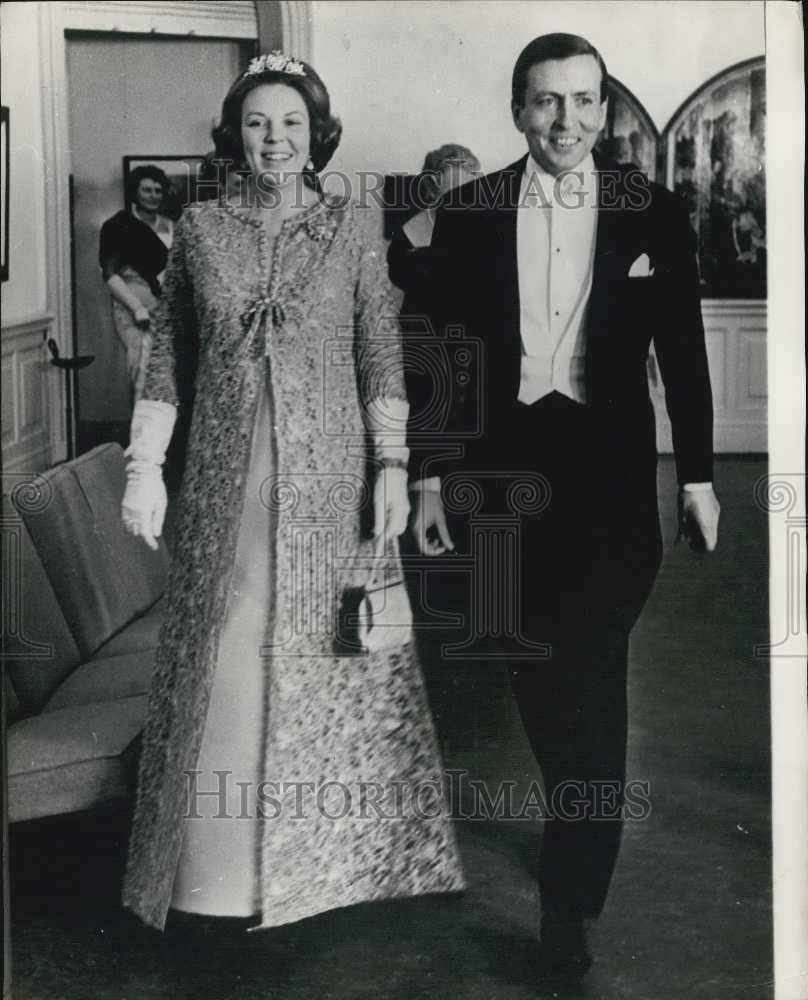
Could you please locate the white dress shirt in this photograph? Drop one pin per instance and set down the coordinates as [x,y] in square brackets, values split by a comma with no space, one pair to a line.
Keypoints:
[556,229]
[555,248]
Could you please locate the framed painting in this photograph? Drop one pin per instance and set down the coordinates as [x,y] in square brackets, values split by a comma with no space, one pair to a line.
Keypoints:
[716,156]
[630,135]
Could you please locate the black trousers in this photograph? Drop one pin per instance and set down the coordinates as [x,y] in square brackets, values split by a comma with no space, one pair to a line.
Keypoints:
[587,564]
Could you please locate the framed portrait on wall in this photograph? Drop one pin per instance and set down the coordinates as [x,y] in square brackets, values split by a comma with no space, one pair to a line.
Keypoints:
[184,175]
[630,135]
[716,161]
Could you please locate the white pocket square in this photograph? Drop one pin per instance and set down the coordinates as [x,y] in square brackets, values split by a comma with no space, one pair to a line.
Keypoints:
[641,268]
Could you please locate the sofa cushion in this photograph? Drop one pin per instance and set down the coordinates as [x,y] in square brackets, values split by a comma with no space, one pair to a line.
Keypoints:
[102,576]
[105,679]
[38,647]
[138,636]
[71,759]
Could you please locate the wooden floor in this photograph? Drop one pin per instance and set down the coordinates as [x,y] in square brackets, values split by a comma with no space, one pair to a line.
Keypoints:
[689,914]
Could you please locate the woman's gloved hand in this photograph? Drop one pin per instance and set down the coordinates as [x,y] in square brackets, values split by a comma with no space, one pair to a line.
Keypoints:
[391,503]
[144,502]
[145,499]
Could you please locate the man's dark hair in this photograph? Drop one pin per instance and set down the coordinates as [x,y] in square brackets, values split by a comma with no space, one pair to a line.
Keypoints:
[558,45]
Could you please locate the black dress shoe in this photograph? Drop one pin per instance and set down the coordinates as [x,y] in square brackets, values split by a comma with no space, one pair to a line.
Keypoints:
[564,948]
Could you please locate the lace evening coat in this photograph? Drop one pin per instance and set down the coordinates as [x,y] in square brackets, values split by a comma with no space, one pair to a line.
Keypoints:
[315,312]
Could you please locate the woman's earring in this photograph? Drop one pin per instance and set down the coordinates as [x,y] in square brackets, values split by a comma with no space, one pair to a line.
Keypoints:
[310,164]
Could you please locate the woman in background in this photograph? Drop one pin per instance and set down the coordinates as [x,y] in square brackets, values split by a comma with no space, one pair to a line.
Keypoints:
[282,291]
[133,251]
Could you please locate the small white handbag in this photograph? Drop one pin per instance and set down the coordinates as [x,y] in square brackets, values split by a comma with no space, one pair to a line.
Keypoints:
[378,615]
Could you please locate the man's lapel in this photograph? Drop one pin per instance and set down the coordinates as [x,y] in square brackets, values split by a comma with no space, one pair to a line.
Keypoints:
[612,229]
[617,232]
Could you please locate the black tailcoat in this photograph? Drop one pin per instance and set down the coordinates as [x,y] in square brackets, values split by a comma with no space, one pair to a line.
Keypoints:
[587,561]
[475,259]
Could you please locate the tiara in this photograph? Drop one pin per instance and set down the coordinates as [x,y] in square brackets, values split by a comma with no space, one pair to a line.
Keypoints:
[276,62]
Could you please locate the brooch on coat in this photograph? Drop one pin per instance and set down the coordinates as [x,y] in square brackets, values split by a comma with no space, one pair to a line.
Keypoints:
[261,309]
[319,225]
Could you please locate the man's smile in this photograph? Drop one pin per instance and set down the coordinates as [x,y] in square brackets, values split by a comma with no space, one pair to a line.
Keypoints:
[565,142]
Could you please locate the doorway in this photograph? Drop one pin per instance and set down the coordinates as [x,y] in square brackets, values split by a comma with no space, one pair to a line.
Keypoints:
[129,95]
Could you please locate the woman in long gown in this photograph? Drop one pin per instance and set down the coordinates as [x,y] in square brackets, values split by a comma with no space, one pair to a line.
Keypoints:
[277,778]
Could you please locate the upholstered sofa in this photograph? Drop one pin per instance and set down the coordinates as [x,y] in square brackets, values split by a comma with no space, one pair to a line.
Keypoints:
[81,613]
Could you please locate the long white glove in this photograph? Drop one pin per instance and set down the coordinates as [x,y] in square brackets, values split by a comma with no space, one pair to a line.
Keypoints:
[391,504]
[145,500]
[387,422]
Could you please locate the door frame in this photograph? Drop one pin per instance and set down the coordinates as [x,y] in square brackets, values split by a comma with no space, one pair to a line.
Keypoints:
[201,18]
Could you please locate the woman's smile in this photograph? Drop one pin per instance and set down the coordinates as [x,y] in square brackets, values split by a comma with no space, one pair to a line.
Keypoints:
[275,132]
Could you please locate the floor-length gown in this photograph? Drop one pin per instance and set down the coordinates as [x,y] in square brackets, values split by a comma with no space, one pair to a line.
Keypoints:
[290,344]
[219,862]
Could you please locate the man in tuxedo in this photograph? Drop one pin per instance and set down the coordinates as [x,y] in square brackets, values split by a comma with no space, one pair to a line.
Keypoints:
[564,268]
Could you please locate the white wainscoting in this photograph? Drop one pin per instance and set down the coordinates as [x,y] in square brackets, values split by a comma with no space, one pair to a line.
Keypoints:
[736,351]
[31,395]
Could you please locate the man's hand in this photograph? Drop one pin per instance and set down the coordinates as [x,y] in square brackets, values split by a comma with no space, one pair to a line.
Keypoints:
[698,519]
[429,523]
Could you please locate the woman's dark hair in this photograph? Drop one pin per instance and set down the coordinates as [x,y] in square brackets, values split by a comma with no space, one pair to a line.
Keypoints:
[325,128]
[139,174]
[558,45]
